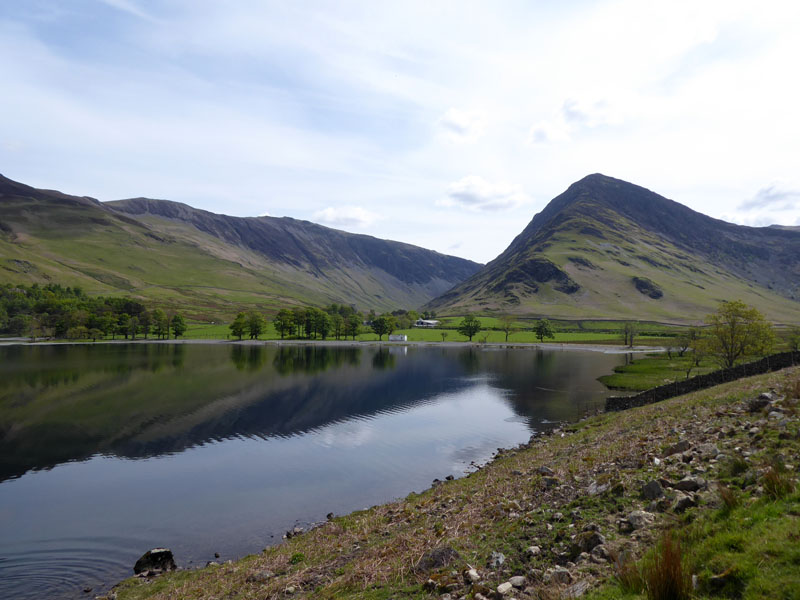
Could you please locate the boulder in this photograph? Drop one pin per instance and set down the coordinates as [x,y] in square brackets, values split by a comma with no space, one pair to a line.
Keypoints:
[652,490]
[437,558]
[689,484]
[756,404]
[518,581]
[157,560]
[586,542]
[681,446]
[640,519]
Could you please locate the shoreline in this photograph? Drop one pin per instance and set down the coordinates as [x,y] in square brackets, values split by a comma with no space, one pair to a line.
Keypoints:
[546,515]
[588,347]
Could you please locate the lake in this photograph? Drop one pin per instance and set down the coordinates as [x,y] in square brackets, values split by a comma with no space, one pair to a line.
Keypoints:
[109,450]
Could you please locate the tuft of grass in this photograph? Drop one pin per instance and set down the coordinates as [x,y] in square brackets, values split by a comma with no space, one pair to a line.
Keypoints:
[665,574]
[735,467]
[730,499]
[777,481]
[627,573]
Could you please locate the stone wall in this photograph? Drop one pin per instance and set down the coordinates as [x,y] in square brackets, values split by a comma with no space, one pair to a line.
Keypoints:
[774,362]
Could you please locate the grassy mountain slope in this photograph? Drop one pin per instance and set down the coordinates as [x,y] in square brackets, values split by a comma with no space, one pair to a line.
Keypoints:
[608,248]
[209,264]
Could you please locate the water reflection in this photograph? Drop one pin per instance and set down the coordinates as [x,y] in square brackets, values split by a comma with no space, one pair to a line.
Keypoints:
[241,440]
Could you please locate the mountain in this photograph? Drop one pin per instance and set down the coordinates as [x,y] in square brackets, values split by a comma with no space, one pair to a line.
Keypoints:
[606,248]
[209,264]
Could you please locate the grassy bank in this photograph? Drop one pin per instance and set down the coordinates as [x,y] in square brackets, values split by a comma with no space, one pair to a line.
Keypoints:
[652,370]
[565,511]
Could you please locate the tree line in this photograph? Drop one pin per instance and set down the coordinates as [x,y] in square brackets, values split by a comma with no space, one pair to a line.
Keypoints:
[55,311]
[338,321]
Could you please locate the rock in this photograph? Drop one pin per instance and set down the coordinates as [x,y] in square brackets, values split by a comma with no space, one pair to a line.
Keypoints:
[445,597]
[681,446]
[576,590]
[293,532]
[504,588]
[601,552]
[585,542]
[260,577]
[708,450]
[550,482]
[534,550]
[545,471]
[518,581]
[560,575]
[775,414]
[472,576]
[640,519]
[437,558]
[558,516]
[689,484]
[496,560]
[660,505]
[684,502]
[329,516]
[290,590]
[756,404]
[754,431]
[595,488]
[480,597]
[652,490]
[157,560]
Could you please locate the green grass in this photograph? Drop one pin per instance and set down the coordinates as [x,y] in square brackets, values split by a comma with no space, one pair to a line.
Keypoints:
[646,372]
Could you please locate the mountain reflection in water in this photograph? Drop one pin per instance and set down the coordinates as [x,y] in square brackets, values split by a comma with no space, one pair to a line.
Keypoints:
[239,441]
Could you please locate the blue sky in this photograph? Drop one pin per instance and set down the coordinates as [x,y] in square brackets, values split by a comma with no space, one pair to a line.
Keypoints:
[443,124]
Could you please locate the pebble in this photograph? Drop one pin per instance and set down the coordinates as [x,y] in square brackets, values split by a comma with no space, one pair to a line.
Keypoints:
[504,588]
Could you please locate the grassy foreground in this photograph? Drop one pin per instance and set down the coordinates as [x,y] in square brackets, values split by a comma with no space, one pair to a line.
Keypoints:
[568,514]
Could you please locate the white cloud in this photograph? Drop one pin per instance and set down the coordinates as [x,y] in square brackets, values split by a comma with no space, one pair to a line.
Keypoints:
[128,6]
[774,197]
[463,125]
[475,193]
[345,216]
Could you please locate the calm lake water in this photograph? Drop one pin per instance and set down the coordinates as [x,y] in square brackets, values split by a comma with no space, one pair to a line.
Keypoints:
[109,450]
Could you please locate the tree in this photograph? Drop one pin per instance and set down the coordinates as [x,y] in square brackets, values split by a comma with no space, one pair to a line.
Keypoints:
[178,326]
[507,325]
[337,322]
[160,326]
[684,341]
[322,324]
[95,333]
[443,334]
[629,332]
[352,325]
[469,326]
[239,325]
[133,326]
[383,325]
[255,325]
[544,329]
[283,322]
[737,330]
[794,338]
[145,320]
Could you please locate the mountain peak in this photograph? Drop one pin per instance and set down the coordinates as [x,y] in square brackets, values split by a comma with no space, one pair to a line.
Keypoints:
[606,247]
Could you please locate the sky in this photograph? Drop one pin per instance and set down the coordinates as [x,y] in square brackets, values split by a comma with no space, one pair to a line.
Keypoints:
[443,124]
